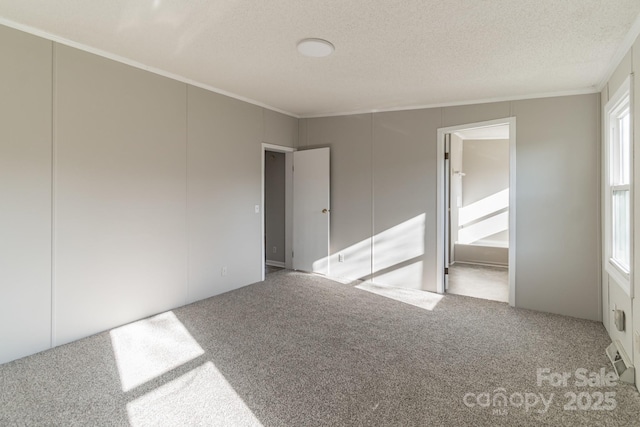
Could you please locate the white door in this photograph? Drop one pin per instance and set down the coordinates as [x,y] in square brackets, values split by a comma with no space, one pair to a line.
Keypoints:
[311,210]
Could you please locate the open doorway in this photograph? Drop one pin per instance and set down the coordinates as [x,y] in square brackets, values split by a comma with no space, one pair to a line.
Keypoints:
[479,213]
[306,209]
[277,208]
[477,210]
[274,210]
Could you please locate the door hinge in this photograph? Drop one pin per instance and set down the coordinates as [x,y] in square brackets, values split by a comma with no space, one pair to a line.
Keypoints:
[446,156]
[446,270]
[291,254]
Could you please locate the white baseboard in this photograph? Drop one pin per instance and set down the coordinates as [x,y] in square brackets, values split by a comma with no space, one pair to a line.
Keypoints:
[481,255]
[275,263]
[505,266]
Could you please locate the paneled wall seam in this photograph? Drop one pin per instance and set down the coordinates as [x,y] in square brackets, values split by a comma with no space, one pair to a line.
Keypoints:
[54,97]
[297,142]
[598,198]
[262,137]
[373,227]
[186,195]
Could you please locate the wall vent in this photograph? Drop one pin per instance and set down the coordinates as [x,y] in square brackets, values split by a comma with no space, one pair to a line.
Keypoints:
[621,363]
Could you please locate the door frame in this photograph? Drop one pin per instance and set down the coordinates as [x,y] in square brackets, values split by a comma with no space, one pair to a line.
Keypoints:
[441,222]
[288,197]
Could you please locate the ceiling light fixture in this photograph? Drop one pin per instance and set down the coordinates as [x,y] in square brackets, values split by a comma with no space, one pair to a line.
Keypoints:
[315,48]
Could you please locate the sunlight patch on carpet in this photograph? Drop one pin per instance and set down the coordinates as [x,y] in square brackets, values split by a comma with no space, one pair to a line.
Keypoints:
[415,297]
[202,396]
[146,349]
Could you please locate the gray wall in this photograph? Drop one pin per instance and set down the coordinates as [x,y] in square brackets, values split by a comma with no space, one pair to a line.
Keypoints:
[351,188]
[153,185]
[486,165]
[224,184]
[274,206]
[404,225]
[391,186]
[119,194]
[25,194]
[557,202]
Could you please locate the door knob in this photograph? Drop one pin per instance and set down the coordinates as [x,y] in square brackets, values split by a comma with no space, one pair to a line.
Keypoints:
[325,210]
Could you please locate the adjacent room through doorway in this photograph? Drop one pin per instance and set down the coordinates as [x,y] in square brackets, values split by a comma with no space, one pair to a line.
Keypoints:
[274,210]
[477,204]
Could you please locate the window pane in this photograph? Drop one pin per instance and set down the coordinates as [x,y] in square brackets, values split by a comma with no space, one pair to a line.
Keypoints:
[624,135]
[620,246]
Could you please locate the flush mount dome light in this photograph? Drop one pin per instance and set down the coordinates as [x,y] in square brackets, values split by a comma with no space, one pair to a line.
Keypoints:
[316,48]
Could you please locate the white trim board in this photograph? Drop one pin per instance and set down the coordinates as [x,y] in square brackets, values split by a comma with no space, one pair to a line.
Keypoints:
[585,91]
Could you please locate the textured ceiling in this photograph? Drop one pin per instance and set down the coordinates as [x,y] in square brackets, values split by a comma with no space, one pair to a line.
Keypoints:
[389,54]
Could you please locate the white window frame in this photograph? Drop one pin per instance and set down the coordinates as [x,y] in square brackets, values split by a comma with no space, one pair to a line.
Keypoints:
[619,102]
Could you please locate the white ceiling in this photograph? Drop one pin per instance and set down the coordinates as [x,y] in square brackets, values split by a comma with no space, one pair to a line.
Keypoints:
[389,54]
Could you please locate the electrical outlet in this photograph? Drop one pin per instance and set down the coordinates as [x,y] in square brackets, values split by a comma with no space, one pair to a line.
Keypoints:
[274,250]
[340,257]
[223,271]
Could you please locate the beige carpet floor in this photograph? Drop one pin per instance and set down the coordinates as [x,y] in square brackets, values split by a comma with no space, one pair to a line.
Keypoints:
[302,350]
[479,281]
